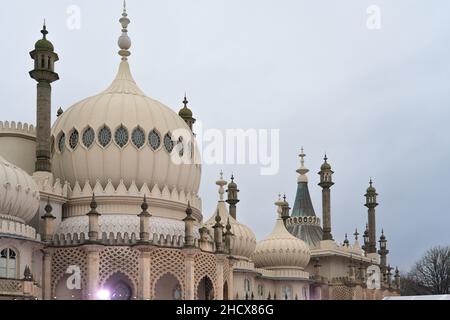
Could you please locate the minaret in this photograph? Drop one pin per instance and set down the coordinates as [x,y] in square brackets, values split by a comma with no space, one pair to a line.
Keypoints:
[187,114]
[371,204]
[232,200]
[383,252]
[44,73]
[326,182]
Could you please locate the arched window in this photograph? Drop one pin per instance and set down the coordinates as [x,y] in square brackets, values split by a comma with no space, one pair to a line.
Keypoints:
[8,264]
[154,139]
[138,137]
[88,137]
[247,289]
[121,136]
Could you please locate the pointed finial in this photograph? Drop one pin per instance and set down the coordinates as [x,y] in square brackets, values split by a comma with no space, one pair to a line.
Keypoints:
[124,40]
[185,101]
[326,157]
[93,204]
[371,181]
[284,197]
[346,240]
[144,205]
[302,171]
[228,226]
[356,234]
[221,183]
[44,30]
[232,177]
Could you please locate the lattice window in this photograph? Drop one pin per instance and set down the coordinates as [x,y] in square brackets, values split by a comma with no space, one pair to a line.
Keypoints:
[154,139]
[62,259]
[61,142]
[205,265]
[167,261]
[138,137]
[119,260]
[73,140]
[104,136]
[168,143]
[121,136]
[342,293]
[88,137]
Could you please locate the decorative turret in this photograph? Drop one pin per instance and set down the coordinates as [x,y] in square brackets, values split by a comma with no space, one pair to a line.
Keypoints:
[346,242]
[232,197]
[228,237]
[285,210]
[397,278]
[218,234]
[187,114]
[366,238]
[44,73]
[93,215]
[144,222]
[189,227]
[326,182]
[383,252]
[49,223]
[371,204]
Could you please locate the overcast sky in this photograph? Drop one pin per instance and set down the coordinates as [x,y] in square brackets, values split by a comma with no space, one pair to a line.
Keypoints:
[377,101]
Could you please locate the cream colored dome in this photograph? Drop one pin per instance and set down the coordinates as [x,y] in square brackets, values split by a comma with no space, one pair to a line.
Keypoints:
[281,250]
[132,129]
[19,194]
[243,242]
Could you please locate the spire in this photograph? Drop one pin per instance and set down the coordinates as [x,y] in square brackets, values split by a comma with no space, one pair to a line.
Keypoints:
[124,40]
[44,31]
[346,242]
[302,170]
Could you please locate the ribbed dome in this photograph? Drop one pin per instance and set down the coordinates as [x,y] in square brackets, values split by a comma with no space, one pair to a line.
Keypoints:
[19,194]
[122,134]
[244,241]
[281,250]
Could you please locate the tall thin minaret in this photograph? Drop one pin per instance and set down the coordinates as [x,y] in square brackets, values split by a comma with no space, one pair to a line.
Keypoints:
[326,182]
[44,73]
[371,204]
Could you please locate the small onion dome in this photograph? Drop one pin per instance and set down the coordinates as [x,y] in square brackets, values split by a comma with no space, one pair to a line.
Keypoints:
[371,189]
[281,250]
[325,165]
[185,112]
[232,184]
[19,194]
[43,44]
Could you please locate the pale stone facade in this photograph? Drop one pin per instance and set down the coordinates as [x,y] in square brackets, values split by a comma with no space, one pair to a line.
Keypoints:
[113,216]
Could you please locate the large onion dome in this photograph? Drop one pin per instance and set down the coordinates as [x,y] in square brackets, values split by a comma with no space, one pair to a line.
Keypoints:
[281,250]
[121,134]
[19,194]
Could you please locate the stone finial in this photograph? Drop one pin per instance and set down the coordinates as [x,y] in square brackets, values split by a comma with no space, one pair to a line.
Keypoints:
[302,171]
[124,40]
[59,112]
[356,234]
[221,183]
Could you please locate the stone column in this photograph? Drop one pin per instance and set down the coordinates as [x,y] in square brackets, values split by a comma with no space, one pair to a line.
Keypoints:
[190,273]
[219,273]
[144,285]
[93,270]
[46,275]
